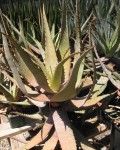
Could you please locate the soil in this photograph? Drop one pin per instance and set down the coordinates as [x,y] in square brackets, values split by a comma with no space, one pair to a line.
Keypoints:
[4,144]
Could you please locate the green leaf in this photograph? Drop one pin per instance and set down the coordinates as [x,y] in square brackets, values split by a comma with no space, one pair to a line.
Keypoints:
[114,42]
[50,53]
[101,41]
[87,20]
[94,100]
[41,50]
[56,80]
[31,116]
[23,103]
[100,86]
[78,41]
[10,59]
[23,36]
[115,36]
[68,91]
[13,27]
[16,92]
[79,76]
[6,93]
[64,40]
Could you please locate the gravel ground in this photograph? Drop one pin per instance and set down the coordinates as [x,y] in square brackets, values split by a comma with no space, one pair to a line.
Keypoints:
[4,144]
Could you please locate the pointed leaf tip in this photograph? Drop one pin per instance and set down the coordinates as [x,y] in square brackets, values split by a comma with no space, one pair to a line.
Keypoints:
[50,53]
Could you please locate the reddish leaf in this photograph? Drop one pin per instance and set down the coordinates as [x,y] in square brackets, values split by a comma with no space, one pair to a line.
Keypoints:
[75,104]
[82,103]
[37,103]
[63,129]
[36,97]
[51,143]
[42,134]
[39,97]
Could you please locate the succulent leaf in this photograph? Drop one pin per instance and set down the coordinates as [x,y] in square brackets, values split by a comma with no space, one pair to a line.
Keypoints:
[31,116]
[16,92]
[41,50]
[100,86]
[78,46]
[24,103]
[10,58]
[39,64]
[50,53]
[6,93]
[63,130]
[51,143]
[116,84]
[64,41]
[82,103]
[80,73]
[69,91]
[29,69]
[42,134]
[94,100]
[56,80]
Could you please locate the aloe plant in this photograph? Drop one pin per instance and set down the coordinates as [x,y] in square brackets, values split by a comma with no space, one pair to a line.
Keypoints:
[53,76]
[107,28]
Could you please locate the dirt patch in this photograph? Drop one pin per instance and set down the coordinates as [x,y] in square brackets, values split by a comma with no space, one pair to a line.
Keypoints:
[4,144]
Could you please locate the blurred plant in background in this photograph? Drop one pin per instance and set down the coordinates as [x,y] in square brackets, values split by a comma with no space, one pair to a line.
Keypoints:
[107,26]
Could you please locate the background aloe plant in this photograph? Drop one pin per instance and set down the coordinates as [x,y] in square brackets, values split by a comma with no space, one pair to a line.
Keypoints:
[107,27]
